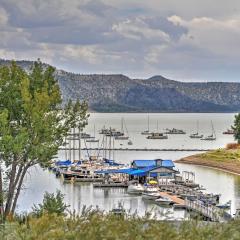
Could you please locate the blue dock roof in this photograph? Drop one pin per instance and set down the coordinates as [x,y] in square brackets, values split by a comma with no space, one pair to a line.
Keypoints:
[152,163]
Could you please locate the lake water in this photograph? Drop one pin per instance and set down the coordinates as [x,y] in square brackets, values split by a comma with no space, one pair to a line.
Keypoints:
[77,195]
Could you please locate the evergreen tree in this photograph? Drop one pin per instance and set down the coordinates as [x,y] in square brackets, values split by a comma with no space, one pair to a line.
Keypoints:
[51,204]
[236,127]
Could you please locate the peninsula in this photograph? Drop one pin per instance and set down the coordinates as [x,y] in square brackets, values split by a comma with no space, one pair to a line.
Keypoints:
[222,159]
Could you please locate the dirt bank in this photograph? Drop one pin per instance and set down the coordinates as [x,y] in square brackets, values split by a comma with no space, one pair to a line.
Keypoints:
[222,159]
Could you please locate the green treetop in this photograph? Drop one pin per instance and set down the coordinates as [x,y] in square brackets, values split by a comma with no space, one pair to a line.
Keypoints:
[236,128]
[33,124]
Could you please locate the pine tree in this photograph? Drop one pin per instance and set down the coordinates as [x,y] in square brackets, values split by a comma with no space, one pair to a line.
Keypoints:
[236,128]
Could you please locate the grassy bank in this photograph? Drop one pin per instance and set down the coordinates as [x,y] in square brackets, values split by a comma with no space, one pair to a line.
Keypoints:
[223,159]
[97,226]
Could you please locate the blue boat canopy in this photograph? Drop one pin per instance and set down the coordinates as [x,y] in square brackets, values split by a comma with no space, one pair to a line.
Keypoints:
[63,163]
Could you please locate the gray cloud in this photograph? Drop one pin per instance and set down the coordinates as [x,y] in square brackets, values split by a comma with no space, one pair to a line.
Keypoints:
[191,40]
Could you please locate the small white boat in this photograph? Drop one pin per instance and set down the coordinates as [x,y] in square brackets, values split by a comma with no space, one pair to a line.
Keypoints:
[135,187]
[150,196]
[164,201]
[196,134]
[211,137]
[227,205]
[147,132]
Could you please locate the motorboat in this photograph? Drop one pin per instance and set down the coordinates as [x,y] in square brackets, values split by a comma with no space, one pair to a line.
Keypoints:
[150,195]
[174,131]
[135,188]
[165,201]
[229,132]
[227,205]
[157,136]
[196,135]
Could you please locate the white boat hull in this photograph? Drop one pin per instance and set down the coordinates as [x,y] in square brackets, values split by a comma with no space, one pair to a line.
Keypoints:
[137,189]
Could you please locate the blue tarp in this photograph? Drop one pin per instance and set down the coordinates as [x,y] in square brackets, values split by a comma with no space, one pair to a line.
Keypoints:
[63,163]
[129,171]
[124,170]
[112,162]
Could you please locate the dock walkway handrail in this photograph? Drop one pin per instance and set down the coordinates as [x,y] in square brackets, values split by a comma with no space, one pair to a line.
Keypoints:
[211,212]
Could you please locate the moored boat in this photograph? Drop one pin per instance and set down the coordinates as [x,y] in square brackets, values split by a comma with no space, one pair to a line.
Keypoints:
[229,132]
[211,137]
[135,187]
[150,195]
[157,136]
[175,131]
[165,201]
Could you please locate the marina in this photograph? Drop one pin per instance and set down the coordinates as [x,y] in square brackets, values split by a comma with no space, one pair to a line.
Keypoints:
[155,180]
[78,194]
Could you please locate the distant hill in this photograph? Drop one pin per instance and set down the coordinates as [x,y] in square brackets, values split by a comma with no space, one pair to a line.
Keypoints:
[118,93]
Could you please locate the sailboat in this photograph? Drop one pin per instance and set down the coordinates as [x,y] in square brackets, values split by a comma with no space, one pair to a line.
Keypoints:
[123,136]
[211,137]
[147,132]
[196,135]
[93,139]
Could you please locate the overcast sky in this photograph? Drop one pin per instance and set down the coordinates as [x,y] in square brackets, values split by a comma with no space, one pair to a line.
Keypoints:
[188,40]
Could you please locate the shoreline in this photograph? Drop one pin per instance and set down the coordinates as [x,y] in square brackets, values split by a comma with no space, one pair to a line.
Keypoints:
[210,167]
[226,165]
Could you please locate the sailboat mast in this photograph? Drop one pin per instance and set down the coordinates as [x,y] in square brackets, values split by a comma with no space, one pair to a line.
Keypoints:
[70,145]
[213,130]
[79,144]
[148,122]
[74,143]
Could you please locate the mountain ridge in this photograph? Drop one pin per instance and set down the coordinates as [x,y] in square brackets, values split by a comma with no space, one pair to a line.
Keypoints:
[119,93]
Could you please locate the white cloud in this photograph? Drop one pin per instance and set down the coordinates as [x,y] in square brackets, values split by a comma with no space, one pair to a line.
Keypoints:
[3,17]
[192,39]
[137,29]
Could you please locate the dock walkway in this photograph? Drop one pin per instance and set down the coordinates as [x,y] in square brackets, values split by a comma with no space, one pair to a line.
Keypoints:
[210,212]
[178,202]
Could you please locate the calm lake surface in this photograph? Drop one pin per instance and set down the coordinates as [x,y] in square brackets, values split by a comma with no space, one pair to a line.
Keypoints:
[77,195]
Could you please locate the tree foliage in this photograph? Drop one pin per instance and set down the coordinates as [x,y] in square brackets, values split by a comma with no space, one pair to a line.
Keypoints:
[33,124]
[96,226]
[51,204]
[236,127]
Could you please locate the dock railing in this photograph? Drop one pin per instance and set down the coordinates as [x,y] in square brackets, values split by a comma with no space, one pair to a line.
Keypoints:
[211,212]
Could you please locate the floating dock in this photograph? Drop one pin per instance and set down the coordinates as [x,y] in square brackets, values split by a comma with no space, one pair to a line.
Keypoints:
[178,202]
[141,149]
[106,185]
